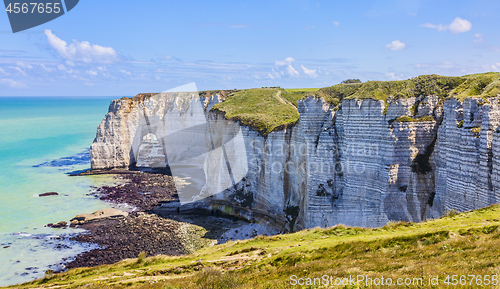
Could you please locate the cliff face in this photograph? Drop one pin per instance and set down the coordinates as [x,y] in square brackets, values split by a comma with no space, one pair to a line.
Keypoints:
[361,165]
[466,158]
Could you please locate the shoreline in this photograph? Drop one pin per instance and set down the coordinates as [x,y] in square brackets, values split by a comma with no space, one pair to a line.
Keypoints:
[144,230]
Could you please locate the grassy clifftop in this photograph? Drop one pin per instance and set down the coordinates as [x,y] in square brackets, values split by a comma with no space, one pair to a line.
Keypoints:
[457,244]
[272,108]
[268,109]
[265,109]
[476,85]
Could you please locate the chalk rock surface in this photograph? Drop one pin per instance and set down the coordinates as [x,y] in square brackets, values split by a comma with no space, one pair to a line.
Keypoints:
[360,164]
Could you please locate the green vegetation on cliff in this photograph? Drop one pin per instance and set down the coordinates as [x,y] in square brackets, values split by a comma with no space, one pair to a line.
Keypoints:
[265,109]
[272,108]
[457,244]
[412,119]
[382,90]
[476,85]
[296,94]
[482,85]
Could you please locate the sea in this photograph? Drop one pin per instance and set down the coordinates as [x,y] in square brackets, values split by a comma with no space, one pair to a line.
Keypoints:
[42,142]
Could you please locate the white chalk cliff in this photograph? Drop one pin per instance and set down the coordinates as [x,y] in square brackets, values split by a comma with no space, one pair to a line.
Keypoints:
[357,164]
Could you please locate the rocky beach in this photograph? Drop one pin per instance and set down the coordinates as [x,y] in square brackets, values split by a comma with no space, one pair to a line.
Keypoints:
[122,235]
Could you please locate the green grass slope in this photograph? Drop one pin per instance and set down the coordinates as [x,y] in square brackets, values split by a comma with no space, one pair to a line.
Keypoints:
[482,85]
[272,108]
[457,244]
[269,109]
[265,109]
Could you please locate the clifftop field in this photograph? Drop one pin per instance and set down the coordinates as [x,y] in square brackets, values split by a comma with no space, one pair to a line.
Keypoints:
[271,108]
[455,244]
[268,109]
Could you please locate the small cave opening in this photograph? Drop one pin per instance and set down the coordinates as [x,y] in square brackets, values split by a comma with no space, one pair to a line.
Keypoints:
[430,201]
[421,164]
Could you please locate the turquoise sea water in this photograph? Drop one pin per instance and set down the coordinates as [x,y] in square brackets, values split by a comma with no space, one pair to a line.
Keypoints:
[34,131]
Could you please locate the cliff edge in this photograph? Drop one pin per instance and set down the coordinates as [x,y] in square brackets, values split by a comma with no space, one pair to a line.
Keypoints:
[356,154]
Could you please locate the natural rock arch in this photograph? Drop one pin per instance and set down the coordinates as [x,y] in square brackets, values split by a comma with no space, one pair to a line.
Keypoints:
[150,152]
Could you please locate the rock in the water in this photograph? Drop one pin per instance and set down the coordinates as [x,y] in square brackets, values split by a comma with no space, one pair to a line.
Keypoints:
[96,216]
[48,194]
[58,225]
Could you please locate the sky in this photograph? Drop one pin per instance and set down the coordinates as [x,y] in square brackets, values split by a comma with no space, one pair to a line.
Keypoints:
[121,48]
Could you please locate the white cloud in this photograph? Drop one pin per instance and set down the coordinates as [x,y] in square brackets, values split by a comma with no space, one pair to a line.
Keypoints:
[478,38]
[61,67]
[289,68]
[101,68]
[309,27]
[91,72]
[274,74]
[439,27]
[393,76]
[81,51]
[2,71]
[459,25]
[336,23]
[24,65]
[390,74]
[291,71]
[167,57]
[12,83]
[396,45]
[287,61]
[493,67]
[18,69]
[309,72]
[46,68]
[441,65]
[125,72]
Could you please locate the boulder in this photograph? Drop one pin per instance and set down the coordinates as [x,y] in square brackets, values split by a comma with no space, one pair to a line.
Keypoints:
[48,194]
[97,216]
[58,225]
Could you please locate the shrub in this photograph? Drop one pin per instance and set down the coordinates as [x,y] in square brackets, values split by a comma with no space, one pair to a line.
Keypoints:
[414,109]
[406,118]
[450,213]
[348,81]
[141,257]
[394,225]
[386,107]
[476,131]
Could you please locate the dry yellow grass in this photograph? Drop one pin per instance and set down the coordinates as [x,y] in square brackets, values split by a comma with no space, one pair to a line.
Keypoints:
[458,244]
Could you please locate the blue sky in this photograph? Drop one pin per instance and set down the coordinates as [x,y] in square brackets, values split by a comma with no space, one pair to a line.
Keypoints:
[117,48]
